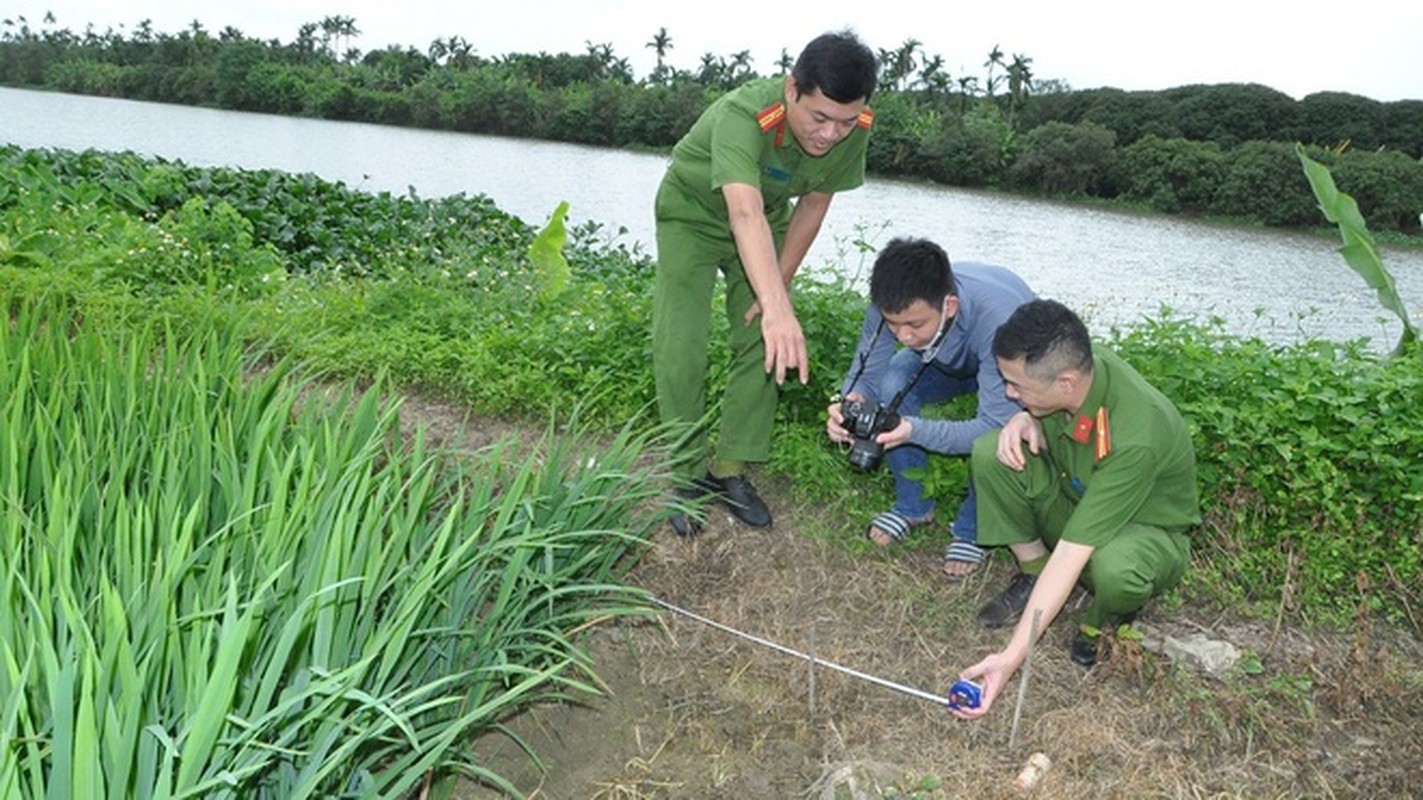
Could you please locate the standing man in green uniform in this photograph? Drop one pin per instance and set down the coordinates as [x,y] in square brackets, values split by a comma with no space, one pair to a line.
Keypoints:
[725,205]
[1104,491]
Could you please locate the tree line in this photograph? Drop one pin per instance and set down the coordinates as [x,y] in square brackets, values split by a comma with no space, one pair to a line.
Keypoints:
[1223,149]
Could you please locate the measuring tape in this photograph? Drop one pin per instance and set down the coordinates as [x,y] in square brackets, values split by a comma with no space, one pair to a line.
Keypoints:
[854,673]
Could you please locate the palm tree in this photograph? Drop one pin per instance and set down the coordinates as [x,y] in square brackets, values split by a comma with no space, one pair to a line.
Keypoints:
[601,56]
[1020,82]
[739,68]
[437,50]
[933,78]
[907,59]
[346,29]
[620,70]
[660,44]
[335,27]
[713,68]
[995,59]
[453,52]
[305,44]
[785,62]
[461,53]
[898,64]
[968,87]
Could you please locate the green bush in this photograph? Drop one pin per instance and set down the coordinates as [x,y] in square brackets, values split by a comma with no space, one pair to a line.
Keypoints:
[1172,175]
[1067,159]
[1333,119]
[970,150]
[1231,114]
[1386,185]
[1263,182]
[1304,456]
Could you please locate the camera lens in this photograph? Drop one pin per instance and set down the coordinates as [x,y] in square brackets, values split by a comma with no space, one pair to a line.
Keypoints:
[865,454]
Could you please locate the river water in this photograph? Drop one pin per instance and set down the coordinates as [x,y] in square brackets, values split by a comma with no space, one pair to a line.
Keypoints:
[1113,267]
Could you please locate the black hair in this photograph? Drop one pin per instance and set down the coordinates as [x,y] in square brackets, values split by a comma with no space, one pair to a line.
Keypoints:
[907,270]
[839,65]
[1047,336]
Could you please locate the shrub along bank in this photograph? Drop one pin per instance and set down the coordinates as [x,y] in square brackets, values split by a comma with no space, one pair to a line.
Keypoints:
[1224,149]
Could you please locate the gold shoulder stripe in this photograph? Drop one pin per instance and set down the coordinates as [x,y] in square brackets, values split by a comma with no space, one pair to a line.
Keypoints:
[771,116]
[866,119]
[1104,434]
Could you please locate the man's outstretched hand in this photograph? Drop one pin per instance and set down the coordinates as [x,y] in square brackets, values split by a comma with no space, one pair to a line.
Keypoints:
[785,344]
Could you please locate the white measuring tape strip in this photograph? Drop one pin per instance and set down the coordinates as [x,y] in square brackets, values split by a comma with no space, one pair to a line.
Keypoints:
[888,684]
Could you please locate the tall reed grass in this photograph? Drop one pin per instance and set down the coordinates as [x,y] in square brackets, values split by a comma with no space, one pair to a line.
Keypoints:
[216,583]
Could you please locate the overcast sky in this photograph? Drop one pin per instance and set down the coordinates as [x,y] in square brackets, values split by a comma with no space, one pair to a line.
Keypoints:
[1368,47]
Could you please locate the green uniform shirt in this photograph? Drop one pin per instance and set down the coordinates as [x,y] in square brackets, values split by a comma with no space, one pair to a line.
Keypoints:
[729,144]
[1125,457]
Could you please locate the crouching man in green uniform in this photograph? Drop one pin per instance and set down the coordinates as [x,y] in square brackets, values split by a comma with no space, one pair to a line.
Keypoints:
[1095,481]
[725,205]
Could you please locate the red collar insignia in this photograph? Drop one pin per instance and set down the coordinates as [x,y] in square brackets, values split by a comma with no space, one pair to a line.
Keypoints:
[1082,433]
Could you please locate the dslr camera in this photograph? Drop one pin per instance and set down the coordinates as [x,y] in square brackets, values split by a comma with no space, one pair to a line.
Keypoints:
[864,420]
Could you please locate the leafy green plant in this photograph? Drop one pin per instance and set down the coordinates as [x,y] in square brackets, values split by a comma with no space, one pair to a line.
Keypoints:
[546,253]
[1359,250]
[1304,453]
[219,583]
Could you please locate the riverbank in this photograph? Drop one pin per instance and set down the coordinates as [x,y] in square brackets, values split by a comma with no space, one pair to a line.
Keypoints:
[690,711]
[1116,268]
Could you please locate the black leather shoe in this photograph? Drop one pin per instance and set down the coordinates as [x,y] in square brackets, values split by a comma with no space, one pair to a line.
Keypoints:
[1083,649]
[740,498]
[1009,603]
[686,524]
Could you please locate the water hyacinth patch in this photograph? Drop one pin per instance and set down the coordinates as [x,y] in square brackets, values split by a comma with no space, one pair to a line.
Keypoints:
[216,585]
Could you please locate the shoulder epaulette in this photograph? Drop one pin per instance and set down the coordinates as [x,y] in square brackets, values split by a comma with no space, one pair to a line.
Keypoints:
[1104,435]
[771,116]
[866,119]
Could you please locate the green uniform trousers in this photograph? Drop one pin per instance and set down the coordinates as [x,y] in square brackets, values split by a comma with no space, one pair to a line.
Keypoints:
[687,264]
[1138,563]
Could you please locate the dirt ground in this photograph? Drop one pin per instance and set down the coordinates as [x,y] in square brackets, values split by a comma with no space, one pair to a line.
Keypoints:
[695,712]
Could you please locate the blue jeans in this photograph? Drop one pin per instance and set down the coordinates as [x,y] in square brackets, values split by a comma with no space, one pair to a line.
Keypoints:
[934,386]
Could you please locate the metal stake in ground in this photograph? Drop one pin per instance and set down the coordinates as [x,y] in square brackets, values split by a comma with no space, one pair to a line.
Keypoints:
[888,684]
[1023,683]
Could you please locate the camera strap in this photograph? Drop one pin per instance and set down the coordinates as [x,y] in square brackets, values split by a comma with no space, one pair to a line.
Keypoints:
[926,356]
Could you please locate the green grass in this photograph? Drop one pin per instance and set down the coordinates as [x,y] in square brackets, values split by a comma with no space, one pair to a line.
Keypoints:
[221,584]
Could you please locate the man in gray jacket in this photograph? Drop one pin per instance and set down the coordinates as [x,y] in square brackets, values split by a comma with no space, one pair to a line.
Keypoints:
[945,317]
